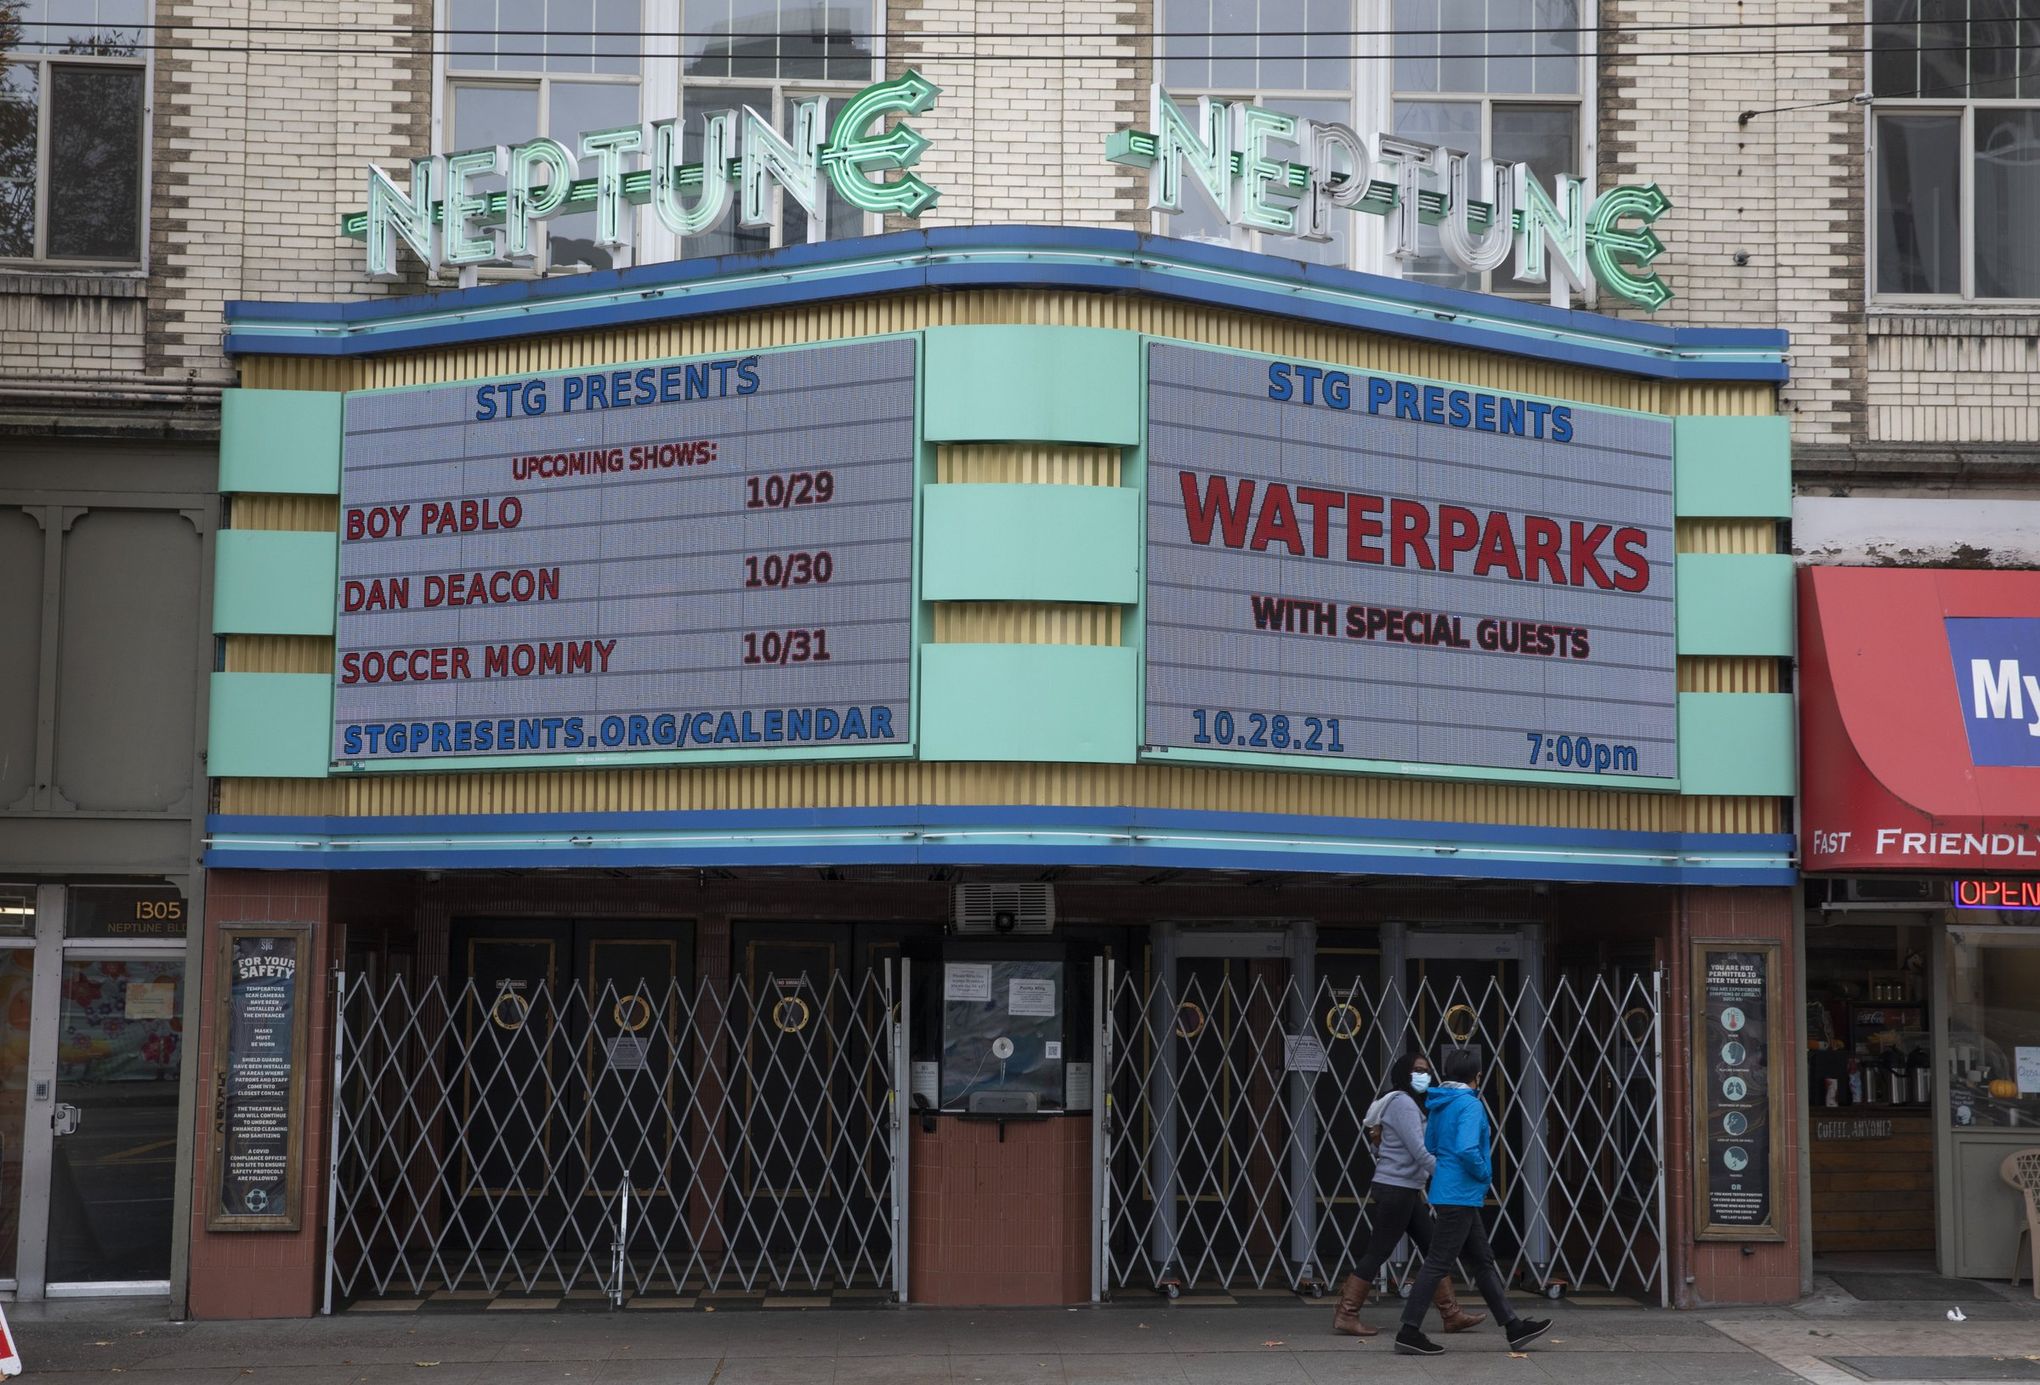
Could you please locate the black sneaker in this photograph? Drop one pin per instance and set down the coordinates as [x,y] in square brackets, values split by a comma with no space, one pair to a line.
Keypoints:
[1411,1341]
[1524,1331]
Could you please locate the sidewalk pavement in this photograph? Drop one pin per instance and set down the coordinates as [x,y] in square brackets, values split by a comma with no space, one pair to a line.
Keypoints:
[1143,1342]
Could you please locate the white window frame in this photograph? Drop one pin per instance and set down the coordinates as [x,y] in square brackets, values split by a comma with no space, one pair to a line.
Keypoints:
[662,92]
[39,260]
[1965,299]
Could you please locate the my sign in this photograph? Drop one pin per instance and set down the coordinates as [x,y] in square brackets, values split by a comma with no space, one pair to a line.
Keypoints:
[1489,211]
[1997,675]
[446,220]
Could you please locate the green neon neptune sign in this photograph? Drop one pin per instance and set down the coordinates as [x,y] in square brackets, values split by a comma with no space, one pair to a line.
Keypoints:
[446,221]
[1486,212]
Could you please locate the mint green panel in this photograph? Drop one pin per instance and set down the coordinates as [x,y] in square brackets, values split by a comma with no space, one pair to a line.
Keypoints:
[270,725]
[1731,468]
[267,582]
[1048,702]
[1737,743]
[1735,603]
[1030,543]
[279,442]
[1032,384]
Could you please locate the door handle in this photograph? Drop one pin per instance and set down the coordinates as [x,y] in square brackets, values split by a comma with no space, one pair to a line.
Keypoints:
[64,1120]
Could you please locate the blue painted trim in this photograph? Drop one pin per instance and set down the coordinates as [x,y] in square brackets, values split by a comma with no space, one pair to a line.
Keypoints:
[1018,818]
[1006,257]
[1083,837]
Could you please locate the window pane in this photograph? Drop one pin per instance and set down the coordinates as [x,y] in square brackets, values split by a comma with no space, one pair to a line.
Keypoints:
[2029,52]
[570,46]
[1330,46]
[103,28]
[1994,990]
[1894,47]
[1456,125]
[728,237]
[483,116]
[803,41]
[1509,47]
[1462,43]
[1186,45]
[578,107]
[1944,40]
[1993,36]
[20,85]
[1282,67]
[850,43]
[1232,68]
[2008,204]
[844,220]
[1547,139]
[471,36]
[1558,47]
[95,164]
[520,47]
[1919,160]
[618,41]
[1416,47]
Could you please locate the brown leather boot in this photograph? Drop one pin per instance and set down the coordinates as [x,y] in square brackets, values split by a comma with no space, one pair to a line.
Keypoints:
[1456,1319]
[1352,1298]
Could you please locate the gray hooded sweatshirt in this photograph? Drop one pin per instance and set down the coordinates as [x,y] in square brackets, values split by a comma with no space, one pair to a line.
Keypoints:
[1401,1161]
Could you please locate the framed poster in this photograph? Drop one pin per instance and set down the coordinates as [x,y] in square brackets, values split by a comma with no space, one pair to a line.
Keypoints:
[259,1051]
[1739,1174]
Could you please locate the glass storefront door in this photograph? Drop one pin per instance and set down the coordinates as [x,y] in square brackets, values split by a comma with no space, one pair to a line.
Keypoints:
[113,1157]
[1990,1097]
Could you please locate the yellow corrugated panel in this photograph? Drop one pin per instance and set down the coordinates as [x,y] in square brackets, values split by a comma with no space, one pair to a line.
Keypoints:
[893,783]
[1727,536]
[1010,464]
[316,514]
[279,654]
[1729,673]
[1026,622]
[800,325]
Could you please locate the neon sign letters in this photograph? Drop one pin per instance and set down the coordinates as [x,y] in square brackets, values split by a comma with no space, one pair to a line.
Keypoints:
[1487,212]
[445,220]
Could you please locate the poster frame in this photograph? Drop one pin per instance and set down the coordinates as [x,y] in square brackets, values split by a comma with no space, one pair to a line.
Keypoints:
[1771,953]
[292,1217]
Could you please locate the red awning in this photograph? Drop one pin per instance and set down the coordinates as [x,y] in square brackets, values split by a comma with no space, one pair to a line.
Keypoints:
[1915,705]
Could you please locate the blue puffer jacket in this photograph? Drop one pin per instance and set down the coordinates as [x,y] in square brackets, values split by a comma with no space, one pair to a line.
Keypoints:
[1459,1134]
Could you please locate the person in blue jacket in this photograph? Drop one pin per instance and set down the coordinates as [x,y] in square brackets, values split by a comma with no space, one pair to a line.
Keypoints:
[1459,1135]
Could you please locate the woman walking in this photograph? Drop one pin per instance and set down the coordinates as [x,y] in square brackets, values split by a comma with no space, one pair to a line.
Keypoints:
[1394,1125]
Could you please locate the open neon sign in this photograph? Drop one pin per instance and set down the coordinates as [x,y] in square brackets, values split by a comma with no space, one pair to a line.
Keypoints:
[1998,892]
[1486,212]
[445,220]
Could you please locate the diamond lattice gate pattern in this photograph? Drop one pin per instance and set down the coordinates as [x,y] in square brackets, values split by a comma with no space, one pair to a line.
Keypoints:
[1234,1102]
[679,1138]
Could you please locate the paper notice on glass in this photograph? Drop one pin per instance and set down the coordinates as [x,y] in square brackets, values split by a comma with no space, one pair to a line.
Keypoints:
[927,1082]
[152,1000]
[1303,1053]
[2029,1069]
[1030,996]
[967,981]
[1076,1086]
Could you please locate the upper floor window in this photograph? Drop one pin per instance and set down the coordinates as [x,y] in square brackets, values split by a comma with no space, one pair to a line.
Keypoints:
[517,68]
[1956,148]
[73,104]
[1499,79]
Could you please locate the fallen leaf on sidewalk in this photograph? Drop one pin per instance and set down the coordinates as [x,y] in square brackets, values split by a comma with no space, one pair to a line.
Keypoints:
[424,1363]
[1519,1356]
[1274,1342]
[102,1344]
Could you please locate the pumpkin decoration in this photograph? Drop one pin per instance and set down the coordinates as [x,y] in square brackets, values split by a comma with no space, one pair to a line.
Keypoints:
[2004,1089]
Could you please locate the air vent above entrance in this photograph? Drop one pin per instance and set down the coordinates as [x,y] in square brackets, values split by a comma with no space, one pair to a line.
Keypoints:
[1003,909]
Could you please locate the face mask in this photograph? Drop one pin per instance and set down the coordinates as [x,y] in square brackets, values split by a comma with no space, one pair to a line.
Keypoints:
[1420,1080]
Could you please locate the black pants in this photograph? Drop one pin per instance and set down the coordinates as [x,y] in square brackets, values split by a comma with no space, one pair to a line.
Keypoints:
[1456,1233]
[1398,1212]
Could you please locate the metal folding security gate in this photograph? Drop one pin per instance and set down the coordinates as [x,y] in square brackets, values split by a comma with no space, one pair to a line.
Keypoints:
[1236,1081]
[649,1139]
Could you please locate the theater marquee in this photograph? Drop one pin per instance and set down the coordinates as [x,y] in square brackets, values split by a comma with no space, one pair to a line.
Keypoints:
[708,557]
[1382,572]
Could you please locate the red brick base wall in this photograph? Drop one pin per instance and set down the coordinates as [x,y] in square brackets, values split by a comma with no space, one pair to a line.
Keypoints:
[263,1274]
[1000,1223]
